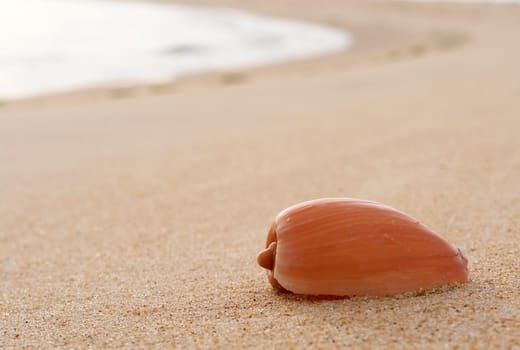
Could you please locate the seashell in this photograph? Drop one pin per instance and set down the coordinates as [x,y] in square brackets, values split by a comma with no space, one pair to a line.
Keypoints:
[347,247]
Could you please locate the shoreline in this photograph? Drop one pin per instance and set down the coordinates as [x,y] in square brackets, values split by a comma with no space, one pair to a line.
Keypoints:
[243,41]
[366,51]
[372,52]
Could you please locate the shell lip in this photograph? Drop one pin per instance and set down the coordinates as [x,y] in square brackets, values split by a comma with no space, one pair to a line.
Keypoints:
[267,257]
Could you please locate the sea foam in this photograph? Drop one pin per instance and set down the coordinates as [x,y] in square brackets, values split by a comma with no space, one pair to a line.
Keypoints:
[55,45]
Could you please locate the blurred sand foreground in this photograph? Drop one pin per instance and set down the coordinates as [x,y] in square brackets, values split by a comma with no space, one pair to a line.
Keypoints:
[132,218]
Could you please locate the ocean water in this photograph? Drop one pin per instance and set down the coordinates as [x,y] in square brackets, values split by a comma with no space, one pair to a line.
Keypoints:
[54,45]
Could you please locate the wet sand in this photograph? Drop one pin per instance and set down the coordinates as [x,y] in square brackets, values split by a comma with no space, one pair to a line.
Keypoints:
[132,217]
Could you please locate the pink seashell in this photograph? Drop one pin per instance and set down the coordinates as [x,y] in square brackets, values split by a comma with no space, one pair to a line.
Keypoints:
[347,247]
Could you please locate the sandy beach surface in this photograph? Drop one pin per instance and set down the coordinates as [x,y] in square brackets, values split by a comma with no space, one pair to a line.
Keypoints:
[132,217]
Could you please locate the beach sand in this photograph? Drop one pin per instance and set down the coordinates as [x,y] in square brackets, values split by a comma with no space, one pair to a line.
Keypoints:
[132,217]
